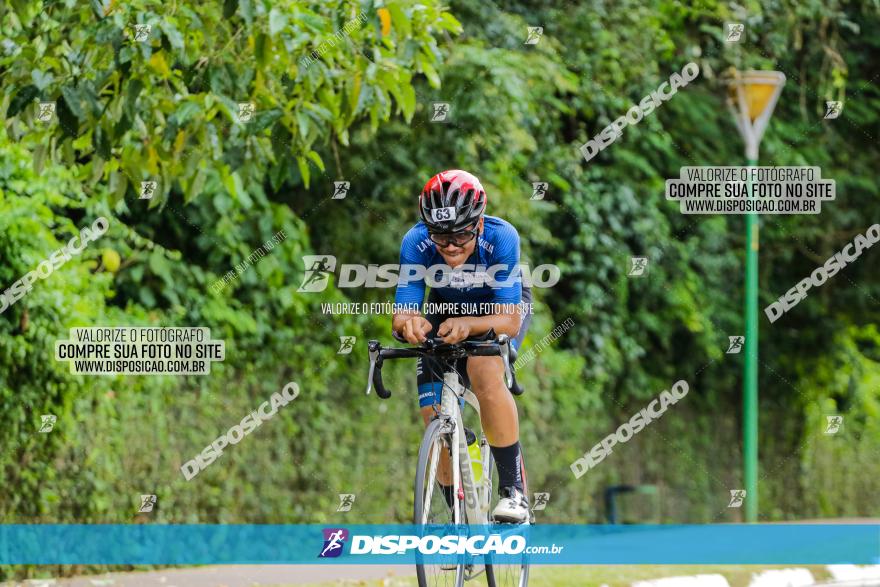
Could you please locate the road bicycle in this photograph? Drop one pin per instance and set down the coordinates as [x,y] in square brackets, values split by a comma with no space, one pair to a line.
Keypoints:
[446,435]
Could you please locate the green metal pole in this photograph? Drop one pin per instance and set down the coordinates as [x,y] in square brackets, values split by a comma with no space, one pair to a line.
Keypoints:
[750,375]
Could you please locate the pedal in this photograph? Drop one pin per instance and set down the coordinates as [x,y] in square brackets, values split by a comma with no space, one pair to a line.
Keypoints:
[528,522]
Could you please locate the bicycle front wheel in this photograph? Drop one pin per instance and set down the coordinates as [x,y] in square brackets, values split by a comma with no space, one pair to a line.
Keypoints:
[508,575]
[505,575]
[431,508]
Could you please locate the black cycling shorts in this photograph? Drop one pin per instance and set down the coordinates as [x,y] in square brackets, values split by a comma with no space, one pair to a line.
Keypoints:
[429,374]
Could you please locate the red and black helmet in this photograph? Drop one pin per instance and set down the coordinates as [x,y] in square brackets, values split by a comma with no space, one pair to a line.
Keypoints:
[452,201]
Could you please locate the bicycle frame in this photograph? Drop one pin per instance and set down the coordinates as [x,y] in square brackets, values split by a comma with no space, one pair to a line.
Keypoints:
[476,492]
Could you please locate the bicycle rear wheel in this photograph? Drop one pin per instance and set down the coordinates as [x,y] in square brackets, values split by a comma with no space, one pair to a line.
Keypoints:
[506,575]
[431,508]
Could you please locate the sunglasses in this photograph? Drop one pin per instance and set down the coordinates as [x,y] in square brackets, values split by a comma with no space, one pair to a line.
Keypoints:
[459,239]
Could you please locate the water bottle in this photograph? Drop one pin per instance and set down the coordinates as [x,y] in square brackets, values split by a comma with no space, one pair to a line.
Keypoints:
[475,453]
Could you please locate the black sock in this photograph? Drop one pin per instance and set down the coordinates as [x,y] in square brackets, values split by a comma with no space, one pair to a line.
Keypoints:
[448,494]
[508,459]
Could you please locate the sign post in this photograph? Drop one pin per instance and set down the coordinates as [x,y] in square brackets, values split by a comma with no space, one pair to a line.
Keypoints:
[752,98]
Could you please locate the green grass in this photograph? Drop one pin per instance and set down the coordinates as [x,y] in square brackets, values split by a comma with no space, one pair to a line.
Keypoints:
[610,575]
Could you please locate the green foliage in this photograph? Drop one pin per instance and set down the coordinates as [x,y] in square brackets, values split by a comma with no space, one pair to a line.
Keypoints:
[152,109]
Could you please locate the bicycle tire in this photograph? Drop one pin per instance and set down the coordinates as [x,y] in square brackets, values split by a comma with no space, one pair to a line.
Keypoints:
[491,580]
[432,435]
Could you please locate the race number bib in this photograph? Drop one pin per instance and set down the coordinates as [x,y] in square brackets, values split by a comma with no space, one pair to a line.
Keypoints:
[441,214]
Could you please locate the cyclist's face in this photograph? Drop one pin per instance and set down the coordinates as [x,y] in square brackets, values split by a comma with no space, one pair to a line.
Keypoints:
[455,255]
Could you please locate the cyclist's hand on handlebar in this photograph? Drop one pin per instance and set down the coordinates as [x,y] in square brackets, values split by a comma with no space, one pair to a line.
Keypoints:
[416,329]
[454,330]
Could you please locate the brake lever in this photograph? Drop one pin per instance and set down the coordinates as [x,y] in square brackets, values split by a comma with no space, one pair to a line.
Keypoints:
[374,348]
[504,343]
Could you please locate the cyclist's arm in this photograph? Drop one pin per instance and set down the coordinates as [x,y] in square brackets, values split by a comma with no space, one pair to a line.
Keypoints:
[411,293]
[401,318]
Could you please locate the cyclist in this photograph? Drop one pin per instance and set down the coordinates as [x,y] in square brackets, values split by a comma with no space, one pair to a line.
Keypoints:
[455,233]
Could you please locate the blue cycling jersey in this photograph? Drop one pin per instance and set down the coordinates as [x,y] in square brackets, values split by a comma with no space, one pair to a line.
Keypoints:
[497,252]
